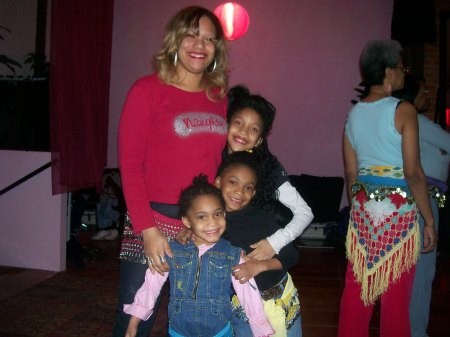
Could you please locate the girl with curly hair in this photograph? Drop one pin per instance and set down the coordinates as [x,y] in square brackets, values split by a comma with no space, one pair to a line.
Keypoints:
[250,118]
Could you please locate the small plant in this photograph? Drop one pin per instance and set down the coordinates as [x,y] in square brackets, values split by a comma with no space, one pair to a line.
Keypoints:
[5,60]
[38,64]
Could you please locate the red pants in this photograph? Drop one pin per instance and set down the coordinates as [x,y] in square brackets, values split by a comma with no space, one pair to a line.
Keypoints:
[354,317]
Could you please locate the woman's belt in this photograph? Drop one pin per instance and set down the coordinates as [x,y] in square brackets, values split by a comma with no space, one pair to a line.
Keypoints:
[378,188]
[276,291]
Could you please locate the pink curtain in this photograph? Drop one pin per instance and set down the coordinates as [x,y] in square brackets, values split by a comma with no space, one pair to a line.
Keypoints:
[80,60]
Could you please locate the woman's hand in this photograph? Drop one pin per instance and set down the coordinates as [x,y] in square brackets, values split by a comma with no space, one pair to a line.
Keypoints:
[184,235]
[156,247]
[262,250]
[429,238]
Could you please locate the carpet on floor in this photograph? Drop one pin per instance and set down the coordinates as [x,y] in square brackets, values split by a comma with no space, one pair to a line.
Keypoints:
[68,305]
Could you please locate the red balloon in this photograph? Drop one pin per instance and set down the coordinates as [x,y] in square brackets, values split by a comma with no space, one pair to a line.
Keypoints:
[234,19]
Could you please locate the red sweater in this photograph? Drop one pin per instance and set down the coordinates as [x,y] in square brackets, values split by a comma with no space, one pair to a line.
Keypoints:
[166,137]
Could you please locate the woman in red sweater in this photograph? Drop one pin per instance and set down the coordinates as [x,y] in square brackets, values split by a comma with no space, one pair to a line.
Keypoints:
[172,127]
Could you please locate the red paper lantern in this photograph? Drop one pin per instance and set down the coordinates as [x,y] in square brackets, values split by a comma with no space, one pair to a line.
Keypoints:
[234,19]
[447,117]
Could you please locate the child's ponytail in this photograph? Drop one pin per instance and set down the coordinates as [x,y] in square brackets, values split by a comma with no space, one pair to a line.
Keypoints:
[200,186]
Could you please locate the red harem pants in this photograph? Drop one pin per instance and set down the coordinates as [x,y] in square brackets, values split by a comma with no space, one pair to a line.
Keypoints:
[354,317]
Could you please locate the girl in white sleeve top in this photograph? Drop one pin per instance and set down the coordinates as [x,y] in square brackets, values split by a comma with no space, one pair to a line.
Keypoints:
[250,118]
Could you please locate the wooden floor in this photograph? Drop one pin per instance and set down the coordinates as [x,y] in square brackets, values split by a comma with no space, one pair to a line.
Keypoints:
[319,276]
[320,279]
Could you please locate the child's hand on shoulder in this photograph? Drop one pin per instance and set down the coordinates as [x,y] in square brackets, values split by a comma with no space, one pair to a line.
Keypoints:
[262,250]
[184,236]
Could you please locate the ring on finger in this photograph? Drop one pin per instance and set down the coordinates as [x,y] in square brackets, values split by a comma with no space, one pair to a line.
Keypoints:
[161,257]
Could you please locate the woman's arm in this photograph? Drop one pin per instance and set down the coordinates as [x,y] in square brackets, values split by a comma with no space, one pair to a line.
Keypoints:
[350,165]
[407,125]
[133,132]
[433,134]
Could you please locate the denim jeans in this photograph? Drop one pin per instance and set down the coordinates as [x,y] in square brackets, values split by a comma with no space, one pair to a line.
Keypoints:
[132,277]
[419,309]
[242,328]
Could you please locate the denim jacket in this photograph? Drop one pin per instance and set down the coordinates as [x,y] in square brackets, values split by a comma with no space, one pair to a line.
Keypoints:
[200,288]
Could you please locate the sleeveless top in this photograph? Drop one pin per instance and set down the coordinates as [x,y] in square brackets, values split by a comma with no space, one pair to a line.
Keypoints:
[371,131]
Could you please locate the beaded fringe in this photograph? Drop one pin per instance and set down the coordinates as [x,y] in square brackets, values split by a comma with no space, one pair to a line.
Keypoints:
[132,248]
[376,281]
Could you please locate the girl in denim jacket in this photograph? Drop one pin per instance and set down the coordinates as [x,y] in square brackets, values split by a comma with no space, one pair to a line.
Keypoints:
[200,274]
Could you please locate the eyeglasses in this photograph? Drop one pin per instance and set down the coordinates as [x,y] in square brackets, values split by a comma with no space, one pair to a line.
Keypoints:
[406,70]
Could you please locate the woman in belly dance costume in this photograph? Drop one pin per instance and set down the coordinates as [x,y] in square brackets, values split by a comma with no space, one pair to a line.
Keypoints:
[387,188]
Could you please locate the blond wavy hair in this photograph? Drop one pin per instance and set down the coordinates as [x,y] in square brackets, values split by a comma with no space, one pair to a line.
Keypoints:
[184,21]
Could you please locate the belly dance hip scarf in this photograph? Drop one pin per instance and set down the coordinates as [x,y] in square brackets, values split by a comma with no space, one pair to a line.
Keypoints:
[132,248]
[383,238]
